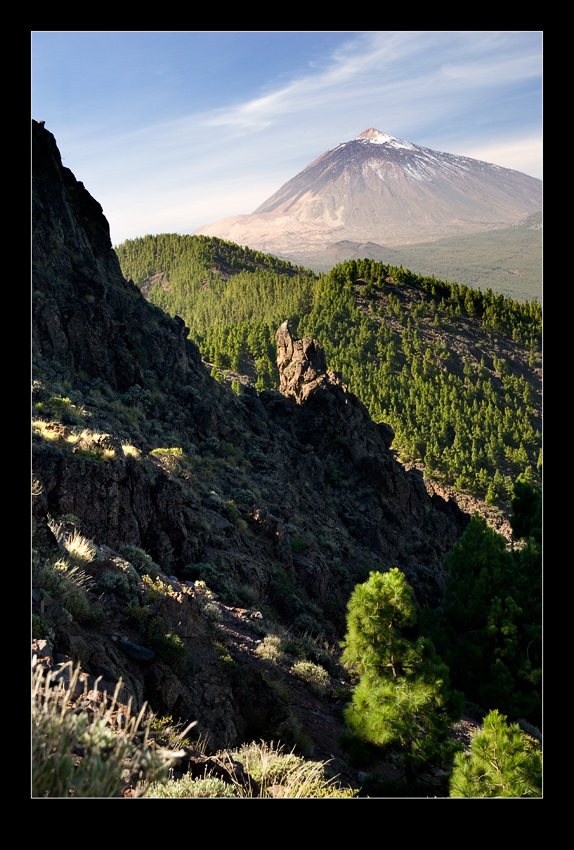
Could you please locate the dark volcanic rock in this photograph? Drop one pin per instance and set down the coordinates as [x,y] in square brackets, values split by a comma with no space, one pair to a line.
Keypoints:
[328,410]
[84,314]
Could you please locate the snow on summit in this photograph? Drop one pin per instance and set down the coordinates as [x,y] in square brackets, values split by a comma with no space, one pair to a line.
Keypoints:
[375,137]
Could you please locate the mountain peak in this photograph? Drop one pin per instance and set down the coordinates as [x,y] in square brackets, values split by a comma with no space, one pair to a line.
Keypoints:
[375,137]
[372,135]
[384,190]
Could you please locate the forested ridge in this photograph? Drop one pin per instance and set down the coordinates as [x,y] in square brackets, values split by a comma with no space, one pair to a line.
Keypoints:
[506,260]
[455,371]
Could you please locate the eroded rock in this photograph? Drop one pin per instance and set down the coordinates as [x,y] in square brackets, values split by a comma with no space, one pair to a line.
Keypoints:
[302,365]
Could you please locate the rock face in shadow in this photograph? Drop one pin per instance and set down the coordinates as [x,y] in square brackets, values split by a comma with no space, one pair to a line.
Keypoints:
[85,315]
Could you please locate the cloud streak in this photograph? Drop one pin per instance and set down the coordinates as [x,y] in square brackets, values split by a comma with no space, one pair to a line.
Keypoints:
[394,67]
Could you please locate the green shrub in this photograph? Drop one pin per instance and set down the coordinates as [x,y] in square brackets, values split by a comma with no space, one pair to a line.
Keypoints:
[298,544]
[41,630]
[143,563]
[314,675]
[154,590]
[307,624]
[119,585]
[187,786]
[203,572]
[60,408]
[68,585]
[168,648]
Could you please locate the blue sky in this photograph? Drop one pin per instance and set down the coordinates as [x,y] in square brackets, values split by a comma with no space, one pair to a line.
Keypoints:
[173,130]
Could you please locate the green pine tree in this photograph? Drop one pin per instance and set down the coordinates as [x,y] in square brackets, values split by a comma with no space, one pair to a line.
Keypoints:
[502,761]
[491,621]
[403,700]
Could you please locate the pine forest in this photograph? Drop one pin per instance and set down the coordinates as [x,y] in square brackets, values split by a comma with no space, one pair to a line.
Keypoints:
[455,371]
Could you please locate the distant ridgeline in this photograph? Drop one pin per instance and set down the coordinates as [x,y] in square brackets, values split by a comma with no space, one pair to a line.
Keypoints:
[454,370]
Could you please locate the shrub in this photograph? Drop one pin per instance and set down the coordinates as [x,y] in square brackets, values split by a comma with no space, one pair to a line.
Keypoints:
[61,409]
[187,786]
[81,551]
[272,648]
[154,590]
[143,563]
[168,648]
[81,753]
[68,585]
[285,774]
[131,451]
[119,585]
[314,675]
[171,459]
[203,572]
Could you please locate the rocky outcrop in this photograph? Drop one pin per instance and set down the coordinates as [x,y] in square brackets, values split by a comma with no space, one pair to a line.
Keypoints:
[302,365]
[304,377]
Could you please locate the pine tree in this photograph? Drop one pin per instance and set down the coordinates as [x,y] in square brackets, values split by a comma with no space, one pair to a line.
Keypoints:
[403,700]
[502,761]
[491,617]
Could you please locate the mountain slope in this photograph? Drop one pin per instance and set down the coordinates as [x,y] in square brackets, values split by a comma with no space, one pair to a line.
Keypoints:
[455,371]
[185,488]
[506,260]
[386,191]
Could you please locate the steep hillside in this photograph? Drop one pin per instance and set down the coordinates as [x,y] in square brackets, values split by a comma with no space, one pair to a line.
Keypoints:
[455,371]
[277,502]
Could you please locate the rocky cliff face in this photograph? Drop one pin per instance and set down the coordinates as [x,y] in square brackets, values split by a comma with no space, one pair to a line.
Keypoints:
[279,501]
[304,377]
[84,314]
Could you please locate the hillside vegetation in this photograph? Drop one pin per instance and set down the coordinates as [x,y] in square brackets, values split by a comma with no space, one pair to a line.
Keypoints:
[454,370]
[506,260]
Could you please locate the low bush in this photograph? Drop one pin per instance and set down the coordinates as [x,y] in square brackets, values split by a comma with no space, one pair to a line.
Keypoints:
[314,675]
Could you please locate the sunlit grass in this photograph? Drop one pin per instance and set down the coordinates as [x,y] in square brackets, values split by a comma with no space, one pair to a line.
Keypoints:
[81,753]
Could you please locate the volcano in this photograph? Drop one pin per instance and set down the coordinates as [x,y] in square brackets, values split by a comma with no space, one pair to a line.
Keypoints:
[384,191]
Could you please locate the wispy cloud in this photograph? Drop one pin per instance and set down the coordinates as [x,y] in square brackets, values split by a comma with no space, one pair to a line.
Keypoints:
[520,154]
[392,71]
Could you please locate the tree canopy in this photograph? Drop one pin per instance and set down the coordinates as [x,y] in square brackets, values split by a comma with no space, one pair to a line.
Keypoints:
[475,424]
[502,761]
[403,700]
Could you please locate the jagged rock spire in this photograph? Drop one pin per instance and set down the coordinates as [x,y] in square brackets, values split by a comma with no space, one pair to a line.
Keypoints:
[302,365]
